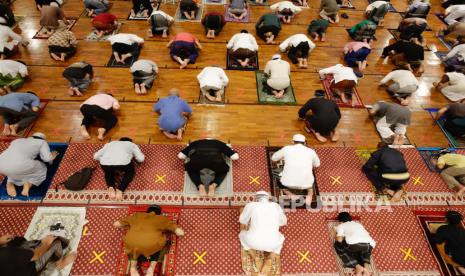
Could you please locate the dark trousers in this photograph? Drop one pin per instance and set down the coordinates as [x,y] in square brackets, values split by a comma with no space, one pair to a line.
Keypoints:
[220,170]
[455,130]
[128,172]
[353,254]
[381,183]
[300,51]
[93,112]
[58,50]
[23,118]
[122,48]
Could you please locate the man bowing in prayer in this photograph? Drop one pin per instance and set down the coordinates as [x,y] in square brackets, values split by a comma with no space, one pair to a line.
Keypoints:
[299,161]
[261,221]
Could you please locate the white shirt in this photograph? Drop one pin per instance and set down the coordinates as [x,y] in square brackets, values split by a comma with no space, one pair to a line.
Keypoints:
[279,71]
[402,77]
[125,38]
[162,13]
[295,40]
[458,50]
[12,68]
[119,153]
[299,162]
[455,13]
[285,5]
[376,5]
[213,77]
[353,232]
[340,73]
[243,40]
[456,78]
[144,65]
[8,38]
[265,218]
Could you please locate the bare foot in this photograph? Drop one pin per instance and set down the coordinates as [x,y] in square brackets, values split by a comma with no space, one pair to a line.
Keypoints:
[111,193]
[202,191]
[68,259]
[143,91]
[14,130]
[11,189]
[101,133]
[211,190]
[26,188]
[320,138]
[84,132]
[137,88]
[183,65]
[308,199]
[397,196]
[170,135]
[244,63]
[334,136]
[461,269]
[71,91]
[134,272]
[149,271]
[461,192]
[119,195]
[6,130]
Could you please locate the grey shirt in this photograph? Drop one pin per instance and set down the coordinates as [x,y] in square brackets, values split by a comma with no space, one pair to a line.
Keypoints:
[394,113]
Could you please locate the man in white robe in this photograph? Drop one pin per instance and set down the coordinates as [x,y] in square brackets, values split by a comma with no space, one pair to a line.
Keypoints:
[299,161]
[262,220]
[20,165]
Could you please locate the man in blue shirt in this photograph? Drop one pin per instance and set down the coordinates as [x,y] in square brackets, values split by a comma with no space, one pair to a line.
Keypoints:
[18,110]
[174,112]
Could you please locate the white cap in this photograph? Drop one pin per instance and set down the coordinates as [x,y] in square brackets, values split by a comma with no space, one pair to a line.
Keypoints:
[298,138]
[276,56]
[39,135]
[261,193]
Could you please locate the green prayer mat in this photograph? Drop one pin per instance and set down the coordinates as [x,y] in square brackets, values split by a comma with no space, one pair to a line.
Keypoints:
[265,98]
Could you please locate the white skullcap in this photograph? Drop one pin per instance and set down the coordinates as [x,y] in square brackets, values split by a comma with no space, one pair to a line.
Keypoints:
[39,135]
[298,138]
[261,193]
[276,56]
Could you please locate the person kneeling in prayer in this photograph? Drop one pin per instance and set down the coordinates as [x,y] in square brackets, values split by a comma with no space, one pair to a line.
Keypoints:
[277,77]
[144,72]
[393,121]
[19,162]
[207,154]
[125,46]
[454,118]
[404,84]
[242,47]
[387,171]
[18,110]
[260,222]
[453,171]
[116,158]
[212,82]
[146,237]
[353,244]
[298,47]
[299,161]
[344,80]
[452,238]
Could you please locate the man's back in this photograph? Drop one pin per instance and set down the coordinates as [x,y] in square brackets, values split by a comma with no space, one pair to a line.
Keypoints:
[16,261]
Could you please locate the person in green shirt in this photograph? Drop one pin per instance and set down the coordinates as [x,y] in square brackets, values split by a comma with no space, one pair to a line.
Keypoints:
[454,172]
[268,27]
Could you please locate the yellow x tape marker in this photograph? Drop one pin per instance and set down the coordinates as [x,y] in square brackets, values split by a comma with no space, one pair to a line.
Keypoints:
[254,179]
[336,179]
[84,231]
[408,254]
[160,178]
[304,256]
[98,257]
[417,180]
[200,258]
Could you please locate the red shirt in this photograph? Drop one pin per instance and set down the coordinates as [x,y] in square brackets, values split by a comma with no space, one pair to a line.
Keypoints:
[187,37]
[105,18]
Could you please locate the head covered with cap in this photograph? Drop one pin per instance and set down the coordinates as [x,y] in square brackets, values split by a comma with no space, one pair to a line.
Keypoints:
[262,195]
[298,138]
[39,135]
[154,208]
[276,56]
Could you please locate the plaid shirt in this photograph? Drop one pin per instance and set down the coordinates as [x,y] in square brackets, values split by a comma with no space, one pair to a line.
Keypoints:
[63,38]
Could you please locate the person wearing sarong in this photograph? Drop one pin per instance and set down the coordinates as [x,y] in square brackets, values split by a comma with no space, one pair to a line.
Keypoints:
[298,47]
[403,84]
[189,8]
[387,171]
[207,154]
[146,237]
[18,110]
[238,9]
[213,23]
[144,72]
[353,244]
[299,162]
[9,42]
[260,222]
[13,74]
[268,27]
[243,48]
[324,117]
[160,22]
[454,114]
[450,240]
[286,10]
[20,164]
[453,171]
[452,86]
[184,49]
[393,121]
[79,76]
[96,7]
[344,80]
[19,256]
[212,81]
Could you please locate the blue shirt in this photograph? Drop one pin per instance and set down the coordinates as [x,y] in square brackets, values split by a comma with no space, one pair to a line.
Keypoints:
[171,109]
[18,101]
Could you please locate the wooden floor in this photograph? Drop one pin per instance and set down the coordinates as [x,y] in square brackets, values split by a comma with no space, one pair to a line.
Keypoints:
[242,120]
